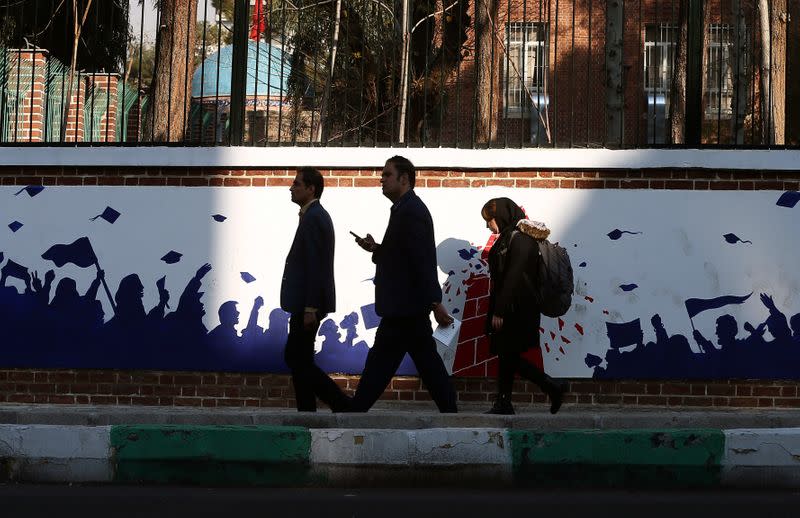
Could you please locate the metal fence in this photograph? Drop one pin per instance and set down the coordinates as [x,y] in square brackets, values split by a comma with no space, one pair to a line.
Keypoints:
[455,73]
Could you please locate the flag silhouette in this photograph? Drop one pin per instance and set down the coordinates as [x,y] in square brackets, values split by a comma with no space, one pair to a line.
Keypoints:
[79,253]
[695,306]
[624,334]
[15,270]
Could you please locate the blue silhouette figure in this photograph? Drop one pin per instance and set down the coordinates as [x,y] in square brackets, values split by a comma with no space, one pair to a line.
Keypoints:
[225,334]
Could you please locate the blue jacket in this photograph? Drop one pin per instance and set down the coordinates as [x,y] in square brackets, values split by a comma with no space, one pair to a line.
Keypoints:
[406,279]
[308,274]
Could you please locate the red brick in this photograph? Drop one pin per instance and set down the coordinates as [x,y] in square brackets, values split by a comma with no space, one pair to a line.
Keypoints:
[589,184]
[781,402]
[670,389]
[634,184]
[744,401]
[744,390]
[767,391]
[188,401]
[608,399]
[720,390]
[632,388]
[766,402]
[405,384]
[188,379]
[697,401]
[652,400]
[789,391]
[367,182]
[724,186]
[479,396]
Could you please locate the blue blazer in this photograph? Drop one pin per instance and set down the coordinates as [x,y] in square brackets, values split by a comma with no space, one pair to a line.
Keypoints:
[308,274]
[406,273]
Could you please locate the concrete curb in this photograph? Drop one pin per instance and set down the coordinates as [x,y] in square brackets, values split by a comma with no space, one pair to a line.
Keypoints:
[492,457]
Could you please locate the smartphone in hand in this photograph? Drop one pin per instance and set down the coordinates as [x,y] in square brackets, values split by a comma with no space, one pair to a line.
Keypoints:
[356,235]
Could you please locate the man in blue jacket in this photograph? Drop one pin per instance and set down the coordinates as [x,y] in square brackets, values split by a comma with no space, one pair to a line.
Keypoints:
[309,294]
[407,289]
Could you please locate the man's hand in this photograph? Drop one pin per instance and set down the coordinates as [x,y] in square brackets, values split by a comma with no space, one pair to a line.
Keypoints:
[441,315]
[258,303]
[768,302]
[309,320]
[368,243]
[36,282]
[497,323]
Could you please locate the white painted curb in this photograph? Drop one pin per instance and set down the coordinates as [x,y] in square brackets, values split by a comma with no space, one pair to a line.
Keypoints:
[768,458]
[409,448]
[52,453]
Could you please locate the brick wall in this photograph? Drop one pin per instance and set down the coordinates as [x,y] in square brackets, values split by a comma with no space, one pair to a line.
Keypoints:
[265,390]
[96,387]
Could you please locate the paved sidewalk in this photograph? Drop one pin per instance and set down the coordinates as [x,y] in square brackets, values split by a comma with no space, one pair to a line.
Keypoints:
[584,447]
[535,417]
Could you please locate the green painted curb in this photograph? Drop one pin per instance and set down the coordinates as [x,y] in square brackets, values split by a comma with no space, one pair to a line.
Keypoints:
[269,455]
[624,458]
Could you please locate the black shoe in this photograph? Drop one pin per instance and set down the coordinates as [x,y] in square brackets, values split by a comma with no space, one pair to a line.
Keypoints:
[557,397]
[502,406]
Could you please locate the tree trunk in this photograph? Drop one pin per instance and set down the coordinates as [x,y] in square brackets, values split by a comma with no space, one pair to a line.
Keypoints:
[614,71]
[765,72]
[792,70]
[323,111]
[404,62]
[487,61]
[778,19]
[167,117]
[676,125]
[741,83]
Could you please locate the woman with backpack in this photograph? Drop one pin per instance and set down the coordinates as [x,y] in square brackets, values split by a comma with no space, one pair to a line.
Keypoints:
[514,317]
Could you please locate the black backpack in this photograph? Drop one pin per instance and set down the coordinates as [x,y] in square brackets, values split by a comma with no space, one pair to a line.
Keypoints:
[553,291]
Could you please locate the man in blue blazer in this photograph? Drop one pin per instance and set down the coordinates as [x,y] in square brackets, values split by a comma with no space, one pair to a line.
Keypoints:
[407,289]
[309,294]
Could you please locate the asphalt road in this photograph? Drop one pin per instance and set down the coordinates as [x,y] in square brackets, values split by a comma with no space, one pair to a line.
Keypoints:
[135,501]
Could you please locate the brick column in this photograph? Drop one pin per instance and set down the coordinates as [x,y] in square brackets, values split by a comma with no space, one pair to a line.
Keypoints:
[74,107]
[26,84]
[107,131]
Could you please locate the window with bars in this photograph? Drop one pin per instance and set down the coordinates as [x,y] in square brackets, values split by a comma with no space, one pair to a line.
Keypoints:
[719,72]
[525,68]
[659,57]
[660,43]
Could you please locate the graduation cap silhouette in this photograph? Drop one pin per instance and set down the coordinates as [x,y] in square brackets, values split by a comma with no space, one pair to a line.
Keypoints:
[172,257]
[14,226]
[108,214]
[32,190]
[219,218]
[246,277]
[788,199]
[628,287]
[733,238]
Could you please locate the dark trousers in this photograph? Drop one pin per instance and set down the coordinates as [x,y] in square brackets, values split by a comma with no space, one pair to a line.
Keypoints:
[511,364]
[309,380]
[396,337]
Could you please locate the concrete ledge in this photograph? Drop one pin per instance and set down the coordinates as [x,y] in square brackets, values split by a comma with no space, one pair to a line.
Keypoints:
[335,457]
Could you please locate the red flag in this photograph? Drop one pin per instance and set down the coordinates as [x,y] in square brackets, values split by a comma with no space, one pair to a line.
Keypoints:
[259,25]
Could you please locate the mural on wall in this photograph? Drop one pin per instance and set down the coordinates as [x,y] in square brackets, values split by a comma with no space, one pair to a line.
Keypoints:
[669,284]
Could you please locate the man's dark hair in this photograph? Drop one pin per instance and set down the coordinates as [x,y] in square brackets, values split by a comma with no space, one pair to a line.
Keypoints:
[312,177]
[404,167]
